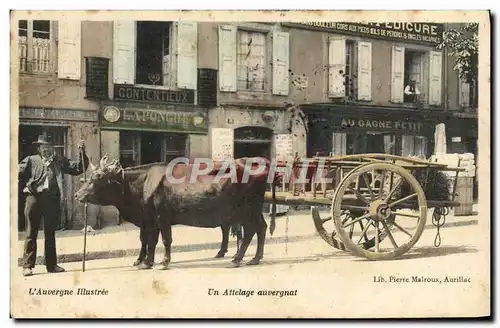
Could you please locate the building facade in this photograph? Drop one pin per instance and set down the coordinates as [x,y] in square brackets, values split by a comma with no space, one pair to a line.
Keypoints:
[145,91]
[52,97]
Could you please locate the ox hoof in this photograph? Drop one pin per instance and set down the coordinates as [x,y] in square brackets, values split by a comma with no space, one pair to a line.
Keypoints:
[236,262]
[253,261]
[137,262]
[220,255]
[144,266]
[163,266]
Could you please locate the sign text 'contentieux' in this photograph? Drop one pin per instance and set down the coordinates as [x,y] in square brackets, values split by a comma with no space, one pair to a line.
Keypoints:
[133,93]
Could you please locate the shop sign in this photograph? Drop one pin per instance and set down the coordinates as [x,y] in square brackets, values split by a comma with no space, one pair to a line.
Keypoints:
[134,93]
[426,33]
[186,120]
[58,114]
[373,124]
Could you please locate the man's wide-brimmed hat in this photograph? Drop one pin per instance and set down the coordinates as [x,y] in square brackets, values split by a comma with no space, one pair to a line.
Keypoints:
[42,140]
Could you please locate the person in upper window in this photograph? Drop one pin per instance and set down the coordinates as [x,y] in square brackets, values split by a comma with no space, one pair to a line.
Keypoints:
[411,91]
[42,175]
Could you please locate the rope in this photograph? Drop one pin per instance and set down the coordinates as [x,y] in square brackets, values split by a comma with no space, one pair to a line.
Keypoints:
[438,220]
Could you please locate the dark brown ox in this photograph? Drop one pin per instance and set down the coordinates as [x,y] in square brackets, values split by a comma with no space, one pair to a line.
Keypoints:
[160,203]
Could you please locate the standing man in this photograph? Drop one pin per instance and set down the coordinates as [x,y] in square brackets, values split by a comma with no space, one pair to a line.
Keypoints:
[43,174]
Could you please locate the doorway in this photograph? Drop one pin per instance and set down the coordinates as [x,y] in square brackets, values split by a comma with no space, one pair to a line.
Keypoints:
[246,149]
[252,141]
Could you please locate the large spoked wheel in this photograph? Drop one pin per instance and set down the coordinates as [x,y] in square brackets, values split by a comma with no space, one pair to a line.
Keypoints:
[381,194]
[326,229]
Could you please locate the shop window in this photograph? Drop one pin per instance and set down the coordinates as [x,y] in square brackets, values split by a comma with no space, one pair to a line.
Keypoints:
[251,61]
[414,146]
[129,148]
[175,146]
[138,148]
[371,142]
[153,50]
[414,80]
[34,46]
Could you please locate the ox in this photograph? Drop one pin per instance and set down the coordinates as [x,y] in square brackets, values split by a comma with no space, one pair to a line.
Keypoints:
[160,202]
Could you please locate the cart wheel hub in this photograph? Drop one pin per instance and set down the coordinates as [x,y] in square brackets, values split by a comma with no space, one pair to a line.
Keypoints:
[379,210]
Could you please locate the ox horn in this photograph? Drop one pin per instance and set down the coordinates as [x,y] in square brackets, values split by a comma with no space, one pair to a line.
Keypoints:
[92,166]
[104,159]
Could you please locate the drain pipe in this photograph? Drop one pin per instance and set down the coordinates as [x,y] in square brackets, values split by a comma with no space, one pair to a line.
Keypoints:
[446,98]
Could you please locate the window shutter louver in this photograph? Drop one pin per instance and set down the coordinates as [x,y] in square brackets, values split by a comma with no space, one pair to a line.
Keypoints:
[281,63]
[69,50]
[336,65]
[227,58]
[124,34]
[187,55]
[365,71]
[397,74]
[435,68]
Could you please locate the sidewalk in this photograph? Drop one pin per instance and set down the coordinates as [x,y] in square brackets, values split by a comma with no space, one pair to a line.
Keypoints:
[123,241]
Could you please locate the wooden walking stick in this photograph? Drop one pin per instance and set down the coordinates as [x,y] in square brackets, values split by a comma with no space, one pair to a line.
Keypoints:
[84,214]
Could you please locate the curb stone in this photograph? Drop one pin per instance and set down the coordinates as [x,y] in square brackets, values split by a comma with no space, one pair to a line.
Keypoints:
[121,253]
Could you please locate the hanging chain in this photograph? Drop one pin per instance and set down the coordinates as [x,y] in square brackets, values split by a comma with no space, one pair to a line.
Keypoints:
[438,220]
[286,235]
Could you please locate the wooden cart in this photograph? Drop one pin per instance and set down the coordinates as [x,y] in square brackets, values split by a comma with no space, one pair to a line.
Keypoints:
[377,207]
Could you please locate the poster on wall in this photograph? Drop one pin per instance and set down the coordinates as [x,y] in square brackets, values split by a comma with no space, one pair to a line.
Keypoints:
[283,145]
[222,144]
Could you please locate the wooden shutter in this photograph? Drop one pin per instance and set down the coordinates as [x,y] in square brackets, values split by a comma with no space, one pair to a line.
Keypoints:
[435,68]
[124,52]
[463,92]
[339,144]
[281,63]
[397,74]
[365,71]
[187,55]
[336,65]
[227,58]
[69,50]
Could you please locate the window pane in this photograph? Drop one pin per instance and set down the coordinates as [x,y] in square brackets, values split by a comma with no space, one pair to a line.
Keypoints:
[126,140]
[126,159]
[176,143]
[23,28]
[41,25]
[251,60]
[41,35]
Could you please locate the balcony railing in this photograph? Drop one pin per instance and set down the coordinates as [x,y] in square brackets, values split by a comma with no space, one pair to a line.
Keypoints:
[40,55]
